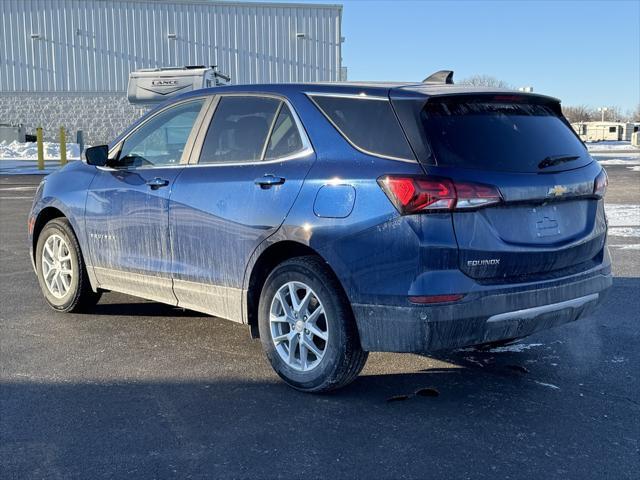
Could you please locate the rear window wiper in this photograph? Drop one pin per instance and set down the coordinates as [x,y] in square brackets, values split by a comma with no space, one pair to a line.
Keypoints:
[552,160]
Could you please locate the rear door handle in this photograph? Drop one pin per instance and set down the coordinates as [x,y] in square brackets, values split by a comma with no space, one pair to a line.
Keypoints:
[157,182]
[269,181]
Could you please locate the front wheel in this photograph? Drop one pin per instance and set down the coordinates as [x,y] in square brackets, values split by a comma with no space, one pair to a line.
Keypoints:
[61,270]
[307,327]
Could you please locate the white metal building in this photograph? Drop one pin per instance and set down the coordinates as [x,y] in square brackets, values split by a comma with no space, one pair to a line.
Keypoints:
[86,48]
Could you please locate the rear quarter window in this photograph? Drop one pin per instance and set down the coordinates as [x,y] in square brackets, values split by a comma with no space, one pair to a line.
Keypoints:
[368,124]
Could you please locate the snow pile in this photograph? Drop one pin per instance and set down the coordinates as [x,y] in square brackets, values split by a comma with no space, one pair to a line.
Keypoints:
[29,151]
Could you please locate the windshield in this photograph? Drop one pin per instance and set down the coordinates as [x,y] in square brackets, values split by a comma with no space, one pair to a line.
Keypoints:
[495,134]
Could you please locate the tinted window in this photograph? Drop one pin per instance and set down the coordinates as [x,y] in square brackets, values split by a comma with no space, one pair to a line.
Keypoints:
[497,135]
[370,125]
[161,140]
[285,137]
[239,129]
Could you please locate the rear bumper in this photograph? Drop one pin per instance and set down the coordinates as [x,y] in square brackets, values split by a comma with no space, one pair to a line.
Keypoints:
[487,316]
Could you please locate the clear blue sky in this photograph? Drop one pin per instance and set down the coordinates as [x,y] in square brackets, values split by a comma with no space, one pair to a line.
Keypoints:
[584,52]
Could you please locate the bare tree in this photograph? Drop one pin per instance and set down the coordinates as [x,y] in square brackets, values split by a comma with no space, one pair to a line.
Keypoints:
[578,113]
[485,81]
[614,114]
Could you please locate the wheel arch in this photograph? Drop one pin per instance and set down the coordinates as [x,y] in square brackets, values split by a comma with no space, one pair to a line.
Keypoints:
[44,216]
[268,259]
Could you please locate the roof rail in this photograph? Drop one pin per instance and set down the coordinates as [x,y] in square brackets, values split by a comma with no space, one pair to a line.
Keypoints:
[440,77]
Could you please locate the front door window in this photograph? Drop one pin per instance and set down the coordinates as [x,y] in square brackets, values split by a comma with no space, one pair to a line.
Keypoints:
[161,140]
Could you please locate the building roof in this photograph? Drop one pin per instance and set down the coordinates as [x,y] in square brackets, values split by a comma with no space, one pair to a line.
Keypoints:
[235,3]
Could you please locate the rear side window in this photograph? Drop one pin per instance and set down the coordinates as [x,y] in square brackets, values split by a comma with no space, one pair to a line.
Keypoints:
[239,129]
[368,124]
[511,136]
[285,138]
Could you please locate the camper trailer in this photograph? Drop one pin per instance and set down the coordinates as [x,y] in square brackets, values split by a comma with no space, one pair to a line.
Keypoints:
[155,85]
[601,131]
[629,130]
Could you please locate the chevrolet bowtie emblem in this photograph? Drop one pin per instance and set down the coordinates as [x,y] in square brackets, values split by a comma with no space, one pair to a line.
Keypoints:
[557,191]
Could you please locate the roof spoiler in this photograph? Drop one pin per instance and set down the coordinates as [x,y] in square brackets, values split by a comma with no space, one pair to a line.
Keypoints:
[440,78]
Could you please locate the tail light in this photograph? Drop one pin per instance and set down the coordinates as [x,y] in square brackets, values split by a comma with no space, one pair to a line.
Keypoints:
[600,184]
[411,194]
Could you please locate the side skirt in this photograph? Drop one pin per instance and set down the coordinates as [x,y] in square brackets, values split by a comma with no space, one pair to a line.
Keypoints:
[150,287]
[216,300]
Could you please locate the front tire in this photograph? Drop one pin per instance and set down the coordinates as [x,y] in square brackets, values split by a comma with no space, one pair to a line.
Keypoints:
[61,271]
[307,328]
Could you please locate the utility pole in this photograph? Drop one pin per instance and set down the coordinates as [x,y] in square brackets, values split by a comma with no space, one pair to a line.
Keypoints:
[602,110]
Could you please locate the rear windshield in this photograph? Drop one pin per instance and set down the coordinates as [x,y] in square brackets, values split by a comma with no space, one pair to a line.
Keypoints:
[501,135]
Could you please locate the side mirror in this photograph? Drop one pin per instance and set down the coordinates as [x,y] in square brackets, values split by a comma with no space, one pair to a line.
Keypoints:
[97,156]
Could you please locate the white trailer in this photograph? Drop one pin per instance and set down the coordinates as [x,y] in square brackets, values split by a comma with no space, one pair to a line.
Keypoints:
[629,129]
[155,85]
[601,131]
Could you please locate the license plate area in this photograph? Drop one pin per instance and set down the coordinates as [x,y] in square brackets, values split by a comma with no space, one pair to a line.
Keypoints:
[544,221]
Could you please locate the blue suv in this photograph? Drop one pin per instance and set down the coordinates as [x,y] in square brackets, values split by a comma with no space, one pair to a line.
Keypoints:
[337,219]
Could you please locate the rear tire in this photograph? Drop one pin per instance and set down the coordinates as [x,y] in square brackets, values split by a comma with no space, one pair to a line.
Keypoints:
[303,305]
[61,271]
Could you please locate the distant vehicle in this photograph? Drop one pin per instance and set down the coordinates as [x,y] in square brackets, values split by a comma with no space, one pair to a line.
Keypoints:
[337,219]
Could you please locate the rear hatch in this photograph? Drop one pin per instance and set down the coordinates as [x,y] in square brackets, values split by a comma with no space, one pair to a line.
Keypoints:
[549,219]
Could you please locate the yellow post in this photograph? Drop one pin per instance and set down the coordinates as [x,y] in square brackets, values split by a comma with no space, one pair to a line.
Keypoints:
[63,147]
[40,148]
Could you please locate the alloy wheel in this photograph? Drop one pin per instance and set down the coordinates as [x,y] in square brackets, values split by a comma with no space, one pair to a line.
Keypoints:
[57,269]
[299,328]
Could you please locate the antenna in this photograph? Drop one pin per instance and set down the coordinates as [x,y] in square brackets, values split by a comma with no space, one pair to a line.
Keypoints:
[440,78]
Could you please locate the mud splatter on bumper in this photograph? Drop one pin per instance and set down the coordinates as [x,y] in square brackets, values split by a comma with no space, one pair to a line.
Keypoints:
[513,312]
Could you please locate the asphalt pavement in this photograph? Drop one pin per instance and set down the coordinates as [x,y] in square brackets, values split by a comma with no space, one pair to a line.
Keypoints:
[142,390]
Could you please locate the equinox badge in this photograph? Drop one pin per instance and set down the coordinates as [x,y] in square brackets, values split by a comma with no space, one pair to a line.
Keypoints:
[483,262]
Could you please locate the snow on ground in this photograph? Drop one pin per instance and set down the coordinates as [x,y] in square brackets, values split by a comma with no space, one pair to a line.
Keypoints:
[631,160]
[616,153]
[628,162]
[629,232]
[623,215]
[609,146]
[29,151]
[624,220]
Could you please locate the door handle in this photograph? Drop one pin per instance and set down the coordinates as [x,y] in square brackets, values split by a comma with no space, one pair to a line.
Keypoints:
[157,182]
[269,181]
